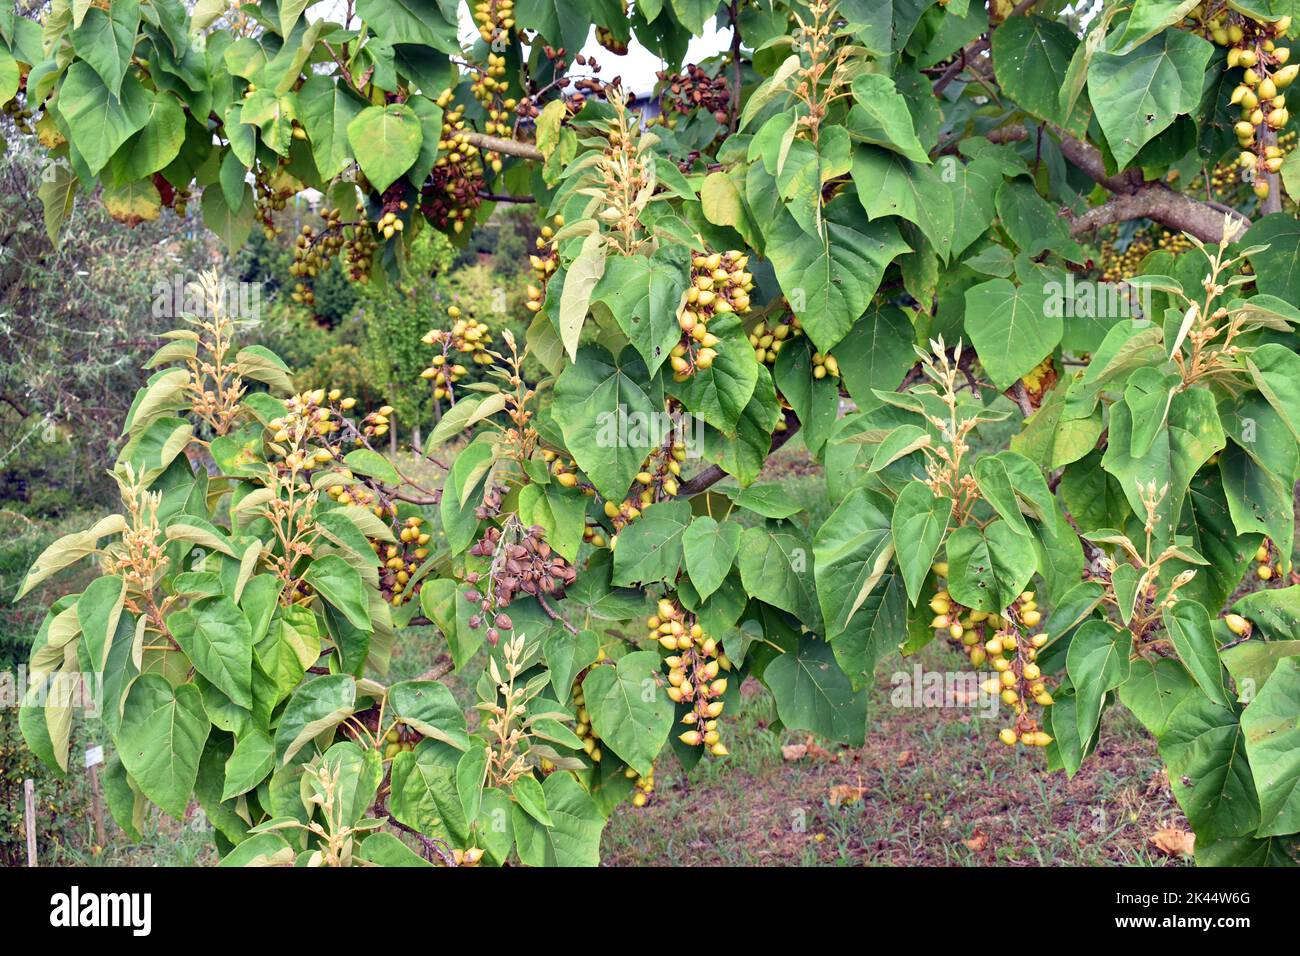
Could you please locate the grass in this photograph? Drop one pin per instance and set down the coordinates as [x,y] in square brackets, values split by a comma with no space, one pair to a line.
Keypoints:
[930,786]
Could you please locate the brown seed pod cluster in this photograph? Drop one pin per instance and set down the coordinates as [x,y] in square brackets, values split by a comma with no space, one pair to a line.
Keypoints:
[693,89]
[719,284]
[693,673]
[528,565]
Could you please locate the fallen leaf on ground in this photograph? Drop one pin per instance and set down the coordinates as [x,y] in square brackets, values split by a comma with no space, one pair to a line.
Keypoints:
[845,793]
[1173,841]
[794,751]
[976,843]
[903,757]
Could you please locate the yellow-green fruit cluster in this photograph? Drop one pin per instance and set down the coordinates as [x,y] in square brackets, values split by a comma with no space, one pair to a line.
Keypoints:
[544,263]
[398,740]
[693,673]
[719,284]
[443,374]
[308,419]
[313,251]
[399,562]
[1264,567]
[494,17]
[586,733]
[1253,47]
[768,340]
[999,641]
[452,197]
[656,481]
[565,470]
[644,786]
[359,248]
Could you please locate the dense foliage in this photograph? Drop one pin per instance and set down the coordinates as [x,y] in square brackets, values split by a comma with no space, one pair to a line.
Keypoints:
[898,207]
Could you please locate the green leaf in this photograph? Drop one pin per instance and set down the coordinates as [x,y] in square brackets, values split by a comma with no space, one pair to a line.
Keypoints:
[770,501]
[629,710]
[1138,95]
[830,279]
[720,393]
[215,636]
[424,794]
[1194,433]
[363,461]
[315,707]
[1271,727]
[918,526]
[384,849]
[1035,225]
[892,185]
[774,567]
[643,294]
[106,39]
[813,694]
[58,193]
[99,120]
[608,420]
[1097,662]
[650,548]
[428,707]
[852,551]
[161,740]
[385,140]
[530,796]
[1276,269]
[876,354]
[1276,372]
[340,584]
[1153,691]
[326,107]
[1148,18]
[418,22]
[989,567]
[1188,626]
[880,116]
[710,548]
[251,762]
[579,282]
[574,837]
[1274,612]
[1031,57]
[1205,753]
[1010,329]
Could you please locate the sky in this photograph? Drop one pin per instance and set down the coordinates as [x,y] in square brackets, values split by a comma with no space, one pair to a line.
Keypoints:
[637,68]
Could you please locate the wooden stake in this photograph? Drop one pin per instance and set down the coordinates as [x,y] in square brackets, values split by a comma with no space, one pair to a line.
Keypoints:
[29,818]
[97,806]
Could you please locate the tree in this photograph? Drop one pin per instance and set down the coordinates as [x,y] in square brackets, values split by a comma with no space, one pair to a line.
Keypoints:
[900,211]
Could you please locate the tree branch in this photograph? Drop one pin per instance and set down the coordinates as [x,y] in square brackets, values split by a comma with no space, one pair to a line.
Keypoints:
[713,474]
[1135,198]
[509,147]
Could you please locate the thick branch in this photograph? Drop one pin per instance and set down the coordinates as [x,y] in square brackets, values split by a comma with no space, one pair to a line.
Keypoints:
[1134,197]
[510,147]
[713,474]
